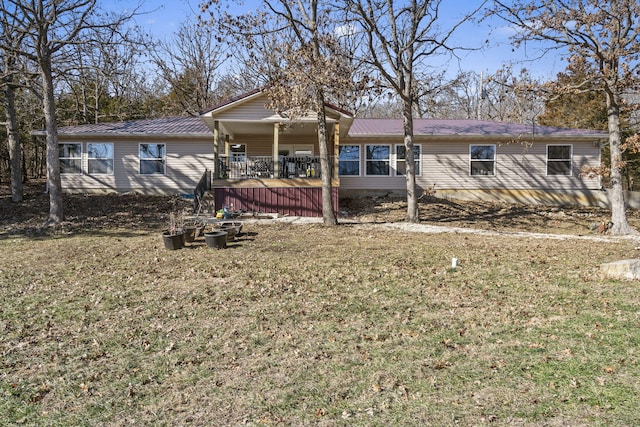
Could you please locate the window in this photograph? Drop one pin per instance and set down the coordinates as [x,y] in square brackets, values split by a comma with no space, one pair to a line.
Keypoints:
[70,158]
[378,160]
[238,153]
[349,160]
[288,150]
[559,159]
[401,164]
[483,160]
[153,158]
[100,158]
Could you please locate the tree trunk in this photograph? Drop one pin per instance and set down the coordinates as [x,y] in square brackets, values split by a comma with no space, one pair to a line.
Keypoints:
[616,193]
[54,183]
[410,172]
[14,143]
[328,212]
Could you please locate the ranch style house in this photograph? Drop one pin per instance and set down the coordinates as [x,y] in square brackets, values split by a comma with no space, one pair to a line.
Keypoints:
[241,154]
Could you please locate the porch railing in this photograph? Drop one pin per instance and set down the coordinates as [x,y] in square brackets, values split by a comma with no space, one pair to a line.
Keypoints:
[251,167]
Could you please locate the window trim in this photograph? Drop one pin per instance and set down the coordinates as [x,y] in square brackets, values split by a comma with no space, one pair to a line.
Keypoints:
[417,159]
[112,158]
[494,160]
[570,159]
[78,159]
[388,159]
[358,160]
[163,159]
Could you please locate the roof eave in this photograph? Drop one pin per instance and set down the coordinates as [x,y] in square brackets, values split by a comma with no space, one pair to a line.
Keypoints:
[502,137]
[129,135]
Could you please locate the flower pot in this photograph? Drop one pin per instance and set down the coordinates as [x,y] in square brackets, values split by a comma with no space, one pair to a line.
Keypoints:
[236,224]
[173,241]
[230,231]
[216,239]
[189,234]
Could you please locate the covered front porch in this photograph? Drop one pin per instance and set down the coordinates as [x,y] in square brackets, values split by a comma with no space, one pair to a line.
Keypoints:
[267,162]
[300,196]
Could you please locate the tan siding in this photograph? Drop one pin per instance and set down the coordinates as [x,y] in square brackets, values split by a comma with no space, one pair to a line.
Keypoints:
[445,164]
[185,163]
[517,167]
[250,110]
[257,145]
[262,145]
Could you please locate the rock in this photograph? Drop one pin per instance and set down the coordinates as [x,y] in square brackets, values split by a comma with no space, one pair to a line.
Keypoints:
[623,269]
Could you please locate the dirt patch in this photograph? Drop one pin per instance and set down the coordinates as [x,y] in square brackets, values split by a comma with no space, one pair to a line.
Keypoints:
[483,215]
[91,212]
[85,212]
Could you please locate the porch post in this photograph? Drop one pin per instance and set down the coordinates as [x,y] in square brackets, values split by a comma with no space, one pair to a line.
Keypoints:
[216,156]
[336,149]
[276,150]
[227,150]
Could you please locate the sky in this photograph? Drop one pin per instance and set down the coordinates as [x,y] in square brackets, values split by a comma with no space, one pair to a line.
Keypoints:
[164,17]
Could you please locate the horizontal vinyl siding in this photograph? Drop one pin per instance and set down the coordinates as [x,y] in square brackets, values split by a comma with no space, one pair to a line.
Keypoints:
[364,182]
[445,164]
[248,111]
[256,145]
[186,161]
[262,145]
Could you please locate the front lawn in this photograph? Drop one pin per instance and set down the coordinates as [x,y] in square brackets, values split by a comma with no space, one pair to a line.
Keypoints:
[305,325]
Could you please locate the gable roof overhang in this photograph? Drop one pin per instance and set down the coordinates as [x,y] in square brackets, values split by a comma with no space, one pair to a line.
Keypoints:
[262,123]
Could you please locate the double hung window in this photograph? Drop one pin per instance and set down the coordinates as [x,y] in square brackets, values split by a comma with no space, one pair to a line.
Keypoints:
[70,158]
[153,159]
[349,160]
[100,158]
[559,159]
[378,160]
[401,155]
[482,160]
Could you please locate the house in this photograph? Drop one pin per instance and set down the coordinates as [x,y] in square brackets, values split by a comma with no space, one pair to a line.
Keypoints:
[249,157]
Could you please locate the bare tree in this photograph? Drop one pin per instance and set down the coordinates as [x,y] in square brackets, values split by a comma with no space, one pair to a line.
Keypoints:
[295,46]
[190,63]
[510,97]
[399,37]
[97,78]
[605,34]
[49,27]
[8,81]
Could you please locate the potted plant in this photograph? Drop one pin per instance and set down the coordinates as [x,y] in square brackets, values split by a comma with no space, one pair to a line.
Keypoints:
[190,231]
[173,236]
[216,239]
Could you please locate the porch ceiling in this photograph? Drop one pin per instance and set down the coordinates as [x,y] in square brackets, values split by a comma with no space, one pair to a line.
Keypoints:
[263,127]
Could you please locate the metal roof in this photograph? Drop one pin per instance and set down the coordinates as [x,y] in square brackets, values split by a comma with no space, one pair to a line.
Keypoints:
[361,128]
[161,126]
[443,127]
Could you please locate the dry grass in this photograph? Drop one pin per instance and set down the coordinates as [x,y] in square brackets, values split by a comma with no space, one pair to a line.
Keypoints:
[304,325]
